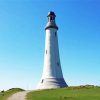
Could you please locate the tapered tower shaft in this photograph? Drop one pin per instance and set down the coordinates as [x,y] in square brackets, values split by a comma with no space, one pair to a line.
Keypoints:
[52,76]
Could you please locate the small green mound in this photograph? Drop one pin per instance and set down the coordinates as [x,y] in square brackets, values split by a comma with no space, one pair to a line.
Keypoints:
[5,94]
[88,92]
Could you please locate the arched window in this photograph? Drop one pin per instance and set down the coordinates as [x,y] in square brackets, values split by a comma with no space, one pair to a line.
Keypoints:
[51,19]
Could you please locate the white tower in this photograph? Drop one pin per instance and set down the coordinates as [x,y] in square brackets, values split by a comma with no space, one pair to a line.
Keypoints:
[52,76]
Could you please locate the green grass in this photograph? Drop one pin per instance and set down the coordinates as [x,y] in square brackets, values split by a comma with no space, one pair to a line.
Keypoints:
[5,94]
[70,93]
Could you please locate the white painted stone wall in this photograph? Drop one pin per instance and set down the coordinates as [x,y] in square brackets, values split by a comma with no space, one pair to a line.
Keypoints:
[52,66]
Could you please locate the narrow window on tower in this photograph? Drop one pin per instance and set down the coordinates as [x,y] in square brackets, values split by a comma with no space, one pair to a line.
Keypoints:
[55,33]
[46,51]
[42,81]
[57,63]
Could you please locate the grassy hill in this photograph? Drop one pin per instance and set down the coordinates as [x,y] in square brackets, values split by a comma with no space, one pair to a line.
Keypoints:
[70,93]
[5,94]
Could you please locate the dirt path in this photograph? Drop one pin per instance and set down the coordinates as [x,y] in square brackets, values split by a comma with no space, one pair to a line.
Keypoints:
[18,96]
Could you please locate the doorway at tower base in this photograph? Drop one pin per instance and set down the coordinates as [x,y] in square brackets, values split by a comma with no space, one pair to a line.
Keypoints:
[50,83]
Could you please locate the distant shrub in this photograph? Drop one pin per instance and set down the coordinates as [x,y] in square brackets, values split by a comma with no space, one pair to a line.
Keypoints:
[15,89]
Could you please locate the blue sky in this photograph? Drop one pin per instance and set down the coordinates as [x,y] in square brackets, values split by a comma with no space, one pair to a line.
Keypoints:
[22,38]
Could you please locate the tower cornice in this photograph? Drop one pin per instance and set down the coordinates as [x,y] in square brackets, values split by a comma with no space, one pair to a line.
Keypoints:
[51,25]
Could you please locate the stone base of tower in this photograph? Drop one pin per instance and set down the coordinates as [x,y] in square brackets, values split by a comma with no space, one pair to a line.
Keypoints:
[50,83]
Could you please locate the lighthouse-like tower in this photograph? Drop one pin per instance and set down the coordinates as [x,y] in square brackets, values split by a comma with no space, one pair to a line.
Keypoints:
[52,76]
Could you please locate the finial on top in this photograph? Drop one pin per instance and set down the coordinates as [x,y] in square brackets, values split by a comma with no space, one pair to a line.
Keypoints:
[51,13]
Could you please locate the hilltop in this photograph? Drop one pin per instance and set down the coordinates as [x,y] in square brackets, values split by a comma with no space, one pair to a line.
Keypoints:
[5,94]
[87,92]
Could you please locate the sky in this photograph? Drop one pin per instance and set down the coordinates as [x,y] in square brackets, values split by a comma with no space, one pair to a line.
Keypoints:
[22,41]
